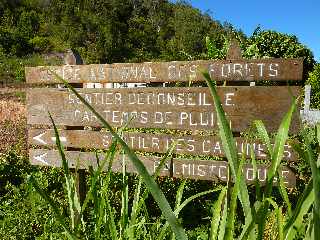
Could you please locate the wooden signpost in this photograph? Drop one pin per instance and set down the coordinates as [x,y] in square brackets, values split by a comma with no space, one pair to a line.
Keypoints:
[182,109]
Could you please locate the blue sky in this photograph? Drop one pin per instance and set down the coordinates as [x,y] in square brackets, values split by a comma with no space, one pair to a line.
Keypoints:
[301,18]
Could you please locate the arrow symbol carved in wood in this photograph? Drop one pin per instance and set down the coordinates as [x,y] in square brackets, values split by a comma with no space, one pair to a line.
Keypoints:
[41,157]
[38,138]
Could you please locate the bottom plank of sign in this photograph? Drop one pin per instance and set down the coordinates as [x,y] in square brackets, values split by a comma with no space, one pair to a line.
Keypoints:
[180,168]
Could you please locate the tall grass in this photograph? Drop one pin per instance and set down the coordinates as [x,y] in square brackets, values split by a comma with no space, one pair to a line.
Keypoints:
[256,213]
[134,221]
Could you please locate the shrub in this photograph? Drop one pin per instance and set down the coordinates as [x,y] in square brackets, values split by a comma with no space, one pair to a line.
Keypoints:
[314,81]
[40,44]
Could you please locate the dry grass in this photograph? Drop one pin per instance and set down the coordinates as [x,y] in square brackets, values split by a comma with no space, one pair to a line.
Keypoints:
[11,110]
[12,121]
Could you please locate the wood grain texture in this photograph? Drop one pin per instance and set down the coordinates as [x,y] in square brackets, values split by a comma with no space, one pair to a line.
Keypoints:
[180,168]
[273,69]
[148,142]
[169,108]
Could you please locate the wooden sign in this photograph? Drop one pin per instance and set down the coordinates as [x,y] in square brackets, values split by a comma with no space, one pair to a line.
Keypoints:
[182,168]
[182,109]
[148,142]
[171,108]
[219,70]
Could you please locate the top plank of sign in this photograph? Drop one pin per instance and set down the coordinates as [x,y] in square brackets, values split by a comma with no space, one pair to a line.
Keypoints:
[233,69]
[178,71]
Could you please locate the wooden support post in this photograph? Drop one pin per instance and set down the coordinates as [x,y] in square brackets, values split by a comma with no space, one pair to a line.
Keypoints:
[81,185]
[73,58]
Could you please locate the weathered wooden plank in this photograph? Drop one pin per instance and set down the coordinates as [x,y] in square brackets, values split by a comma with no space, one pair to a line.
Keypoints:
[181,168]
[171,108]
[148,142]
[274,69]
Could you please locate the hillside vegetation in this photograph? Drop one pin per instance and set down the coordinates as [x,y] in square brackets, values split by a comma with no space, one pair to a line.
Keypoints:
[34,32]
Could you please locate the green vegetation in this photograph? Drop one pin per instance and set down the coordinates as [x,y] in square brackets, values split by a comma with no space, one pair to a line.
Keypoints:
[41,203]
[34,32]
[296,221]
[102,31]
[313,80]
[264,44]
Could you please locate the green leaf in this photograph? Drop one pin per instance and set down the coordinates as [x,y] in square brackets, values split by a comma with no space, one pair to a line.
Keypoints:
[216,214]
[278,211]
[124,213]
[295,221]
[73,200]
[263,135]
[141,200]
[135,208]
[312,158]
[280,141]
[110,220]
[283,192]
[233,204]
[316,185]
[255,173]
[229,147]
[180,194]
[223,221]
[108,159]
[276,157]
[53,206]
[188,200]
[183,204]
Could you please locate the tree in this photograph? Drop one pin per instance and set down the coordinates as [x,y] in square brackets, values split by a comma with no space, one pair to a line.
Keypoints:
[190,27]
[277,45]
